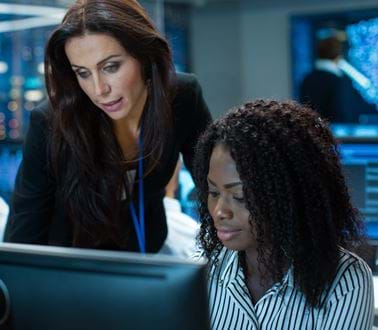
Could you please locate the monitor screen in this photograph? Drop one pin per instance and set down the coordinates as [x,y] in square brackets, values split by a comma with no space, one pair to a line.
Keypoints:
[360,164]
[358,32]
[63,288]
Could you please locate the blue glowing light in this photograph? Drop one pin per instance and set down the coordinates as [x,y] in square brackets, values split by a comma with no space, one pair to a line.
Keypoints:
[363,55]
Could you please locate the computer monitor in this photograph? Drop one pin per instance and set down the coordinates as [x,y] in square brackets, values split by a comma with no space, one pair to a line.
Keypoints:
[359,29]
[65,288]
[360,164]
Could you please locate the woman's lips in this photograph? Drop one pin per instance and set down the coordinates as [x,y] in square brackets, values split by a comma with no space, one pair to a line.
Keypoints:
[227,234]
[112,106]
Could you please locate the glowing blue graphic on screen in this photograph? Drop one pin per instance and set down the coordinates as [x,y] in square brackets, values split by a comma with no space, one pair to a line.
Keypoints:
[363,55]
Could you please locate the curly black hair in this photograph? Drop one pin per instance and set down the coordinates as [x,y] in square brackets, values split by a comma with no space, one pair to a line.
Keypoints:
[294,189]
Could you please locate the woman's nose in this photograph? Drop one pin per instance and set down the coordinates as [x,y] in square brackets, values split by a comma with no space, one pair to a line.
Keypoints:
[101,87]
[222,209]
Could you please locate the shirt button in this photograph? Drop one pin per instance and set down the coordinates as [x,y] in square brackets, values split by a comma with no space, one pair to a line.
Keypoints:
[220,282]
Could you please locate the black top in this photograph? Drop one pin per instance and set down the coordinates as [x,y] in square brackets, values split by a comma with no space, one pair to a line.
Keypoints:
[38,215]
[334,97]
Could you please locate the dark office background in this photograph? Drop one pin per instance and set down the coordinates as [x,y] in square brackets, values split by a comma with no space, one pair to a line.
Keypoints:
[239,50]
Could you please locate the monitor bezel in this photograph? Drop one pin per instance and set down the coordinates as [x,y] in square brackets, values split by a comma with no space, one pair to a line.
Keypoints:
[152,267]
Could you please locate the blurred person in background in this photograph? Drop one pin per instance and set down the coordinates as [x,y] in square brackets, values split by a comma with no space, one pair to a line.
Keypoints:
[182,229]
[4,211]
[327,88]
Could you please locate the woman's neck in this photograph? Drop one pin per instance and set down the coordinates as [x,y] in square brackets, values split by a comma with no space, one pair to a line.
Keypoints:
[127,129]
[251,261]
[256,277]
[127,134]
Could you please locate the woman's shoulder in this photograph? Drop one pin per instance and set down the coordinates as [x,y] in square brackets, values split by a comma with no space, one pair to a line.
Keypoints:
[350,261]
[188,105]
[186,88]
[352,273]
[38,130]
[186,80]
[41,112]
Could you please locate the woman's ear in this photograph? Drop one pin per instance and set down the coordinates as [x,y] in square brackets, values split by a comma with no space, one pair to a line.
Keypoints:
[147,71]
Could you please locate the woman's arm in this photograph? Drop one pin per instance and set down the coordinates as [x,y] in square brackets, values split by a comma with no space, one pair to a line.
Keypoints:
[32,201]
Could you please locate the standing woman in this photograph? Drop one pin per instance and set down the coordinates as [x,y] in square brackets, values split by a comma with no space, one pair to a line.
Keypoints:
[276,222]
[98,156]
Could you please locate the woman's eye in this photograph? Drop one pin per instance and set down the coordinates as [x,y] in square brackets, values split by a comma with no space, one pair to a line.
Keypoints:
[111,68]
[83,74]
[239,199]
[213,194]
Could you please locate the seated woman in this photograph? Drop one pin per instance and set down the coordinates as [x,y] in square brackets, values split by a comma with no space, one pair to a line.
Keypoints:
[276,222]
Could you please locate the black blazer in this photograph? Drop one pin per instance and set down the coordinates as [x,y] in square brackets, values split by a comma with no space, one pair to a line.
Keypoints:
[38,214]
[334,97]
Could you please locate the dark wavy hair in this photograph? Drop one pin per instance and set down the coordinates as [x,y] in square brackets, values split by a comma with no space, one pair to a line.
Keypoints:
[85,156]
[293,187]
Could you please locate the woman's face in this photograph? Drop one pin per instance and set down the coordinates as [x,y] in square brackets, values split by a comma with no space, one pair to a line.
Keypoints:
[111,78]
[226,202]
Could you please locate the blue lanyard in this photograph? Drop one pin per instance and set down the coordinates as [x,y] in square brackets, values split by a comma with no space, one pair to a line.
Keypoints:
[139,224]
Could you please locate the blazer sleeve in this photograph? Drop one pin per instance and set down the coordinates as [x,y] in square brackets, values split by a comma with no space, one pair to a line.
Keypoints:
[199,118]
[32,201]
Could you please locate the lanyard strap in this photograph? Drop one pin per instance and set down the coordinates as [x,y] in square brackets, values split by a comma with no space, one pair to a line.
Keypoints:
[139,224]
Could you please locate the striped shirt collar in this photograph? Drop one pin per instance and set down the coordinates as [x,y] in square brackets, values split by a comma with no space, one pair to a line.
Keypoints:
[232,270]
[348,303]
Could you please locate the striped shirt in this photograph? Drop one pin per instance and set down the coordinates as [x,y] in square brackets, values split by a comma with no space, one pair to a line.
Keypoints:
[347,304]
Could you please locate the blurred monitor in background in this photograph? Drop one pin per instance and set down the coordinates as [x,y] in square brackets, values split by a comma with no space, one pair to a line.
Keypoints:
[342,46]
[336,50]
[360,164]
[328,88]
